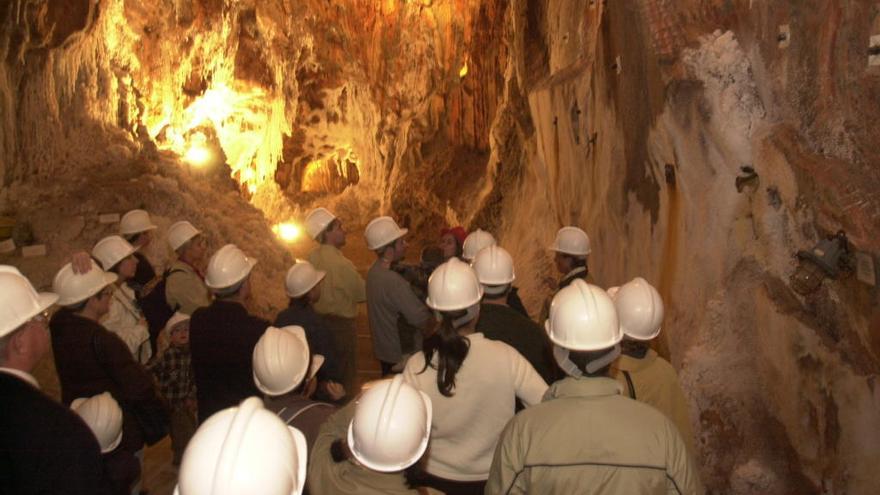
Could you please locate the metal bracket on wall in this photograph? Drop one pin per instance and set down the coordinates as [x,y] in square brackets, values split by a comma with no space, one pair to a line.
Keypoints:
[874,50]
[783,37]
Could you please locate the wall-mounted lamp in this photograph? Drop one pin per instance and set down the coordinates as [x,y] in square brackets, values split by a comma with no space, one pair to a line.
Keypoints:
[827,259]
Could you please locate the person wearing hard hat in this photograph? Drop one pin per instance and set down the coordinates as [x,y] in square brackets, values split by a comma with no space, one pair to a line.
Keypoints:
[585,433]
[475,242]
[103,416]
[185,288]
[244,449]
[451,242]
[223,335]
[303,285]
[498,321]
[137,228]
[644,375]
[90,359]
[365,447]
[342,290]
[472,381]
[45,446]
[283,368]
[124,318]
[173,372]
[571,248]
[389,295]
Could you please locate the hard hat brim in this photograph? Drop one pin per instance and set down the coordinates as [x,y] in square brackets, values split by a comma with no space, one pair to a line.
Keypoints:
[400,234]
[321,274]
[301,457]
[112,446]
[579,347]
[109,278]
[252,262]
[44,301]
[570,252]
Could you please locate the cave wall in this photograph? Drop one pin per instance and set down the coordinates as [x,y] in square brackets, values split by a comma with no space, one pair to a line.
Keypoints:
[630,118]
[641,115]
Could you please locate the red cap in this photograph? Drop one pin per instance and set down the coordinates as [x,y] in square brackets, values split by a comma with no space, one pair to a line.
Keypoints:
[458,232]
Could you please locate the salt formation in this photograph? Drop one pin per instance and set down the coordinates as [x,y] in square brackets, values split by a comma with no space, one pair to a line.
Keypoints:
[694,149]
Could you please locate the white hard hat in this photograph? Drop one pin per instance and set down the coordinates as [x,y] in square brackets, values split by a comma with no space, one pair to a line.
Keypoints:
[281,359]
[391,426]
[381,232]
[571,240]
[301,278]
[172,322]
[475,242]
[317,220]
[135,222]
[244,449]
[103,416]
[494,267]
[453,286]
[640,309]
[583,318]
[227,267]
[19,301]
[180,233]
[73,288]
[111,250]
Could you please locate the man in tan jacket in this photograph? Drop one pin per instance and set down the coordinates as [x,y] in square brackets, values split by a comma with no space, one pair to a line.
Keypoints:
[644,375]
[341,292]
[185,289]
[586,437]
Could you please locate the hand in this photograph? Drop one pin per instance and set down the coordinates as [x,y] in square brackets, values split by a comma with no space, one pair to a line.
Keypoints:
[81,262]
[333,390]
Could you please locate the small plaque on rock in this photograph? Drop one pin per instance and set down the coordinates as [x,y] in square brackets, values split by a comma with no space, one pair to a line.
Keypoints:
[7,246]
[33,251]
[108,218]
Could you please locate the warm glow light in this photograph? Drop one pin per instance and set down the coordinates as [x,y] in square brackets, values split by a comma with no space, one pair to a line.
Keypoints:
[286,231]
[464,70]
[198,154]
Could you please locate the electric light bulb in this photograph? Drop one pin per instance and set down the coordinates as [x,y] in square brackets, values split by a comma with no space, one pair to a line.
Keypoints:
[286,231]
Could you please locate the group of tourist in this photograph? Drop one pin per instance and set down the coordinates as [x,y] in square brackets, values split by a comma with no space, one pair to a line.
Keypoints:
[476,397]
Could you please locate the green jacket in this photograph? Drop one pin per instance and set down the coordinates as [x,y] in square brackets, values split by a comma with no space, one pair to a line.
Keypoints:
[185,291]
[347,477]
[587,438]
[653,380]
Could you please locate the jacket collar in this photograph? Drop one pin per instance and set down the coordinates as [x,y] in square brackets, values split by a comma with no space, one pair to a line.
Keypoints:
[570,276]
[21,375]
[583,387]
[629,363]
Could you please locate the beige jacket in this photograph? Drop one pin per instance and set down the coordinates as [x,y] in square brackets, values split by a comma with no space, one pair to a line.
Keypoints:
[587,438]
[326,477]
[185,291]
[655,382]
[343,287]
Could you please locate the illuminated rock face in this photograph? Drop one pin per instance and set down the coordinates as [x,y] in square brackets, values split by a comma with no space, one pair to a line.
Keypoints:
[700,143]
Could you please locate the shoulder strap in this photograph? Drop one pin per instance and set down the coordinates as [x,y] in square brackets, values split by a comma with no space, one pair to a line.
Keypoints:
[629,384]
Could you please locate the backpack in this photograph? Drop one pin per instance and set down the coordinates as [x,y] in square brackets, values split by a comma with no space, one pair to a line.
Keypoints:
[155,306]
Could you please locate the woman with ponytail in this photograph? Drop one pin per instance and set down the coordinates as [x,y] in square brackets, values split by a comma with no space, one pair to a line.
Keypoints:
[472,382]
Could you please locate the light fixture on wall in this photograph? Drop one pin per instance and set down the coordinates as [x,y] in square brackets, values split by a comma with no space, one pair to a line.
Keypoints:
[827,259]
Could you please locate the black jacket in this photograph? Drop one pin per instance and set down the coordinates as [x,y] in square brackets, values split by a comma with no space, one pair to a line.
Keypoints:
[318,336]
[90,360]
[45,447]
[507,325]
[221,340]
